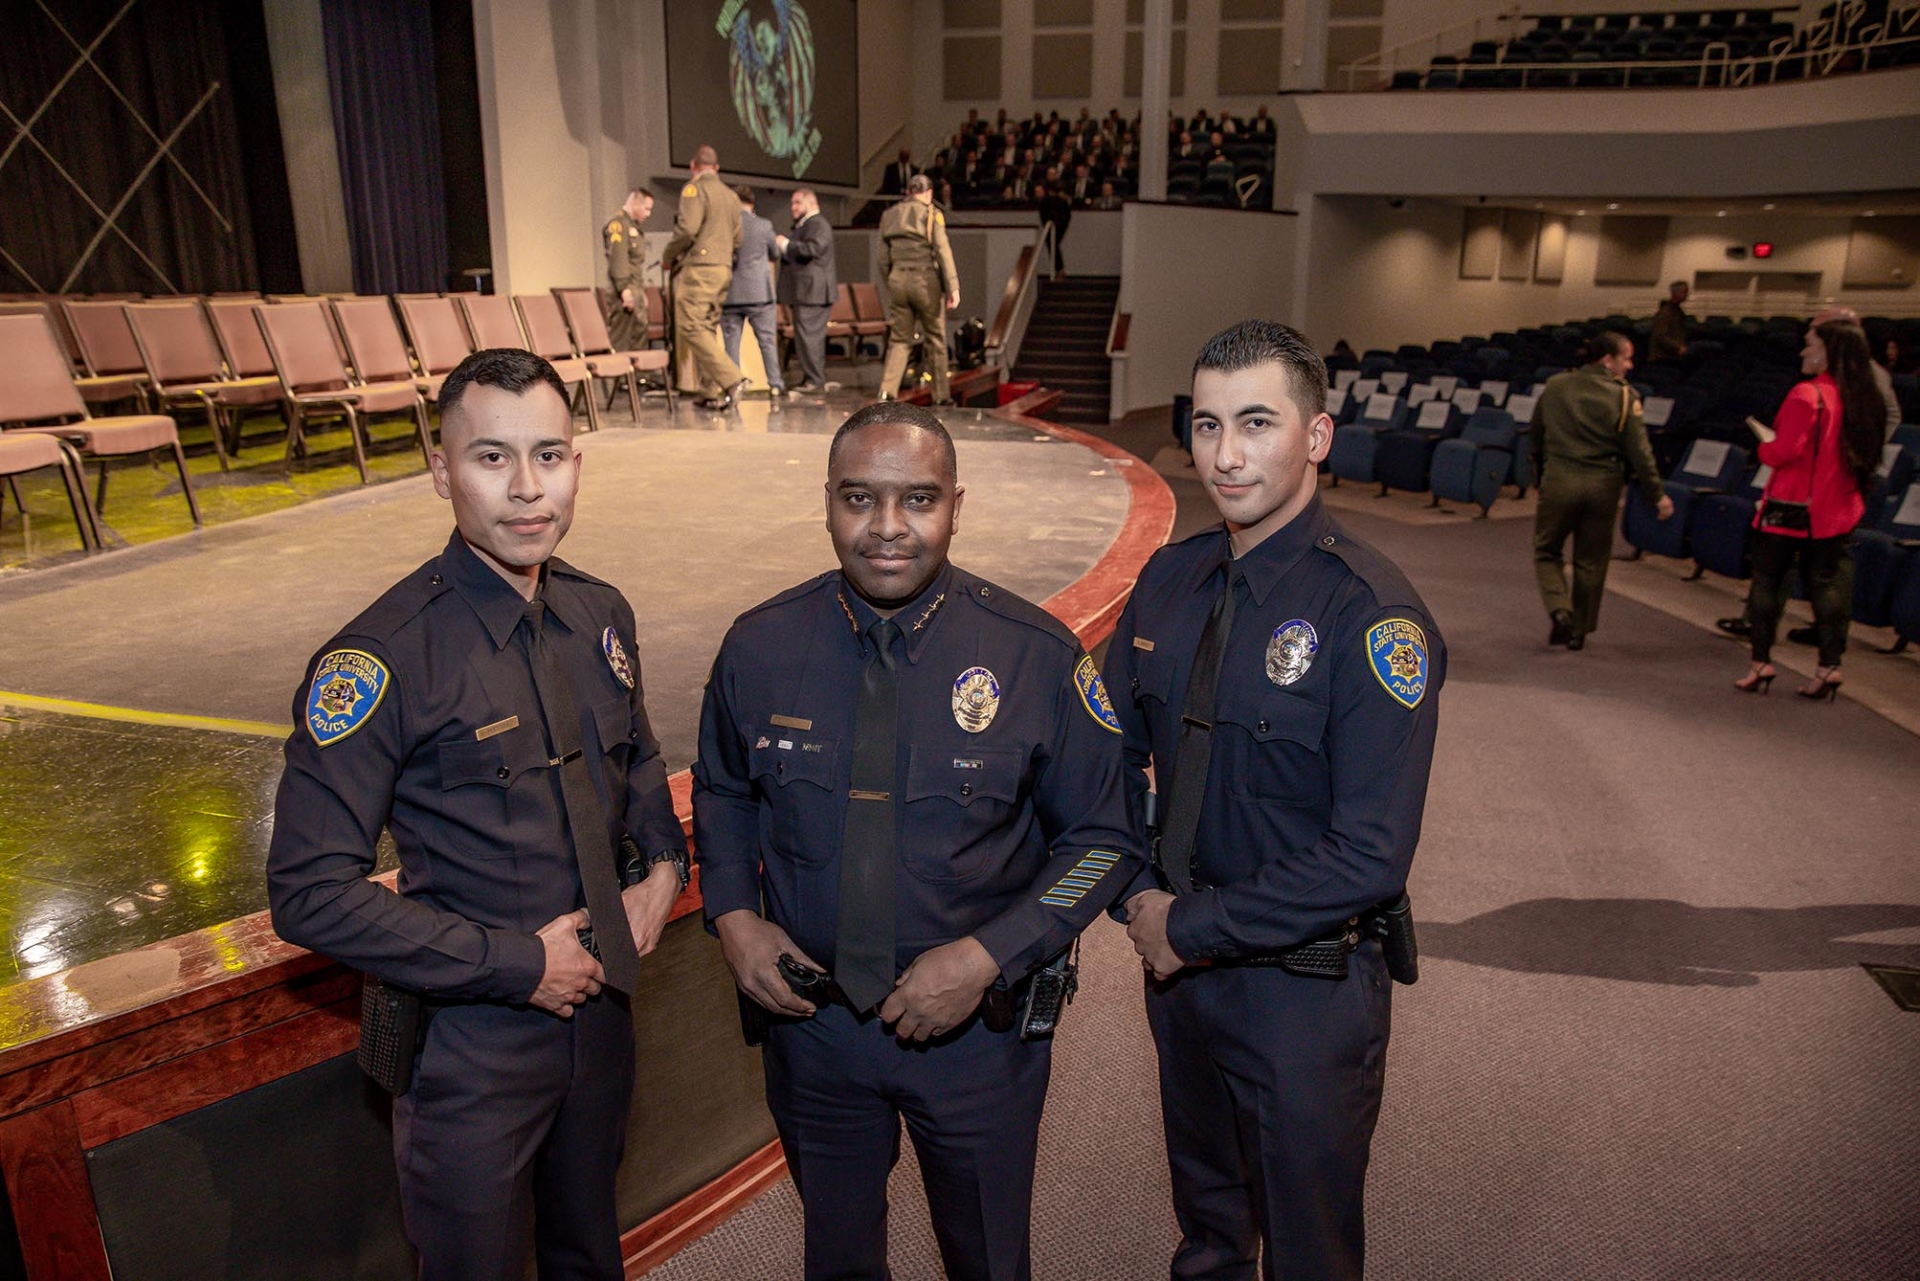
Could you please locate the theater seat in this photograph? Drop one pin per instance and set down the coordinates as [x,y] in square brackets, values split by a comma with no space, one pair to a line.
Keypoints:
[1471,467]
[1722,534]
[1710,467]
[1904,616]
[1355,444]
[1883,552]
[1403,459]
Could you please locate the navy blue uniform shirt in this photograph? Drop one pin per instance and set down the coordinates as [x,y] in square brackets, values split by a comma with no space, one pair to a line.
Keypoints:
[421,715]
[1324,721]
[1015,833]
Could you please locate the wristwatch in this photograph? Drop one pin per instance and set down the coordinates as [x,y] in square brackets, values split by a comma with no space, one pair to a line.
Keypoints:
[635,866]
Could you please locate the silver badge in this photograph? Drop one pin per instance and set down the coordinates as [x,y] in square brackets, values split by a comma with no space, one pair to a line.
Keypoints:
[976,697]
[1290,652]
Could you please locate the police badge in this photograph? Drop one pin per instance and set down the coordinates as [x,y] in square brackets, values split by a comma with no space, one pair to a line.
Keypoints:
[976,697]
[617,657]
[1290,652]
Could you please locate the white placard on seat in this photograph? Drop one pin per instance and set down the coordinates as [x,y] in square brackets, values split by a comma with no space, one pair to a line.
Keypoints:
[1380,407]
[1467,399]
[1706,458]
[1495,390]
[1656,410]
[1363,388]
[1761,476]
[1337,401]
[1419,394]
[1521,407]
[1393,380]
[1433,414]
[1444,384]
[1343,378]
[1909,513]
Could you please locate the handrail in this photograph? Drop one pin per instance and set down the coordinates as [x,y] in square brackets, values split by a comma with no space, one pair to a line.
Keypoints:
[1016,304]
[1117,332]
[884,143]
[1378,59]
[1716,70]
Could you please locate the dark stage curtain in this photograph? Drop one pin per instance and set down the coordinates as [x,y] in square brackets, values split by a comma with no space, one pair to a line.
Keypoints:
[386,120]
[89,200]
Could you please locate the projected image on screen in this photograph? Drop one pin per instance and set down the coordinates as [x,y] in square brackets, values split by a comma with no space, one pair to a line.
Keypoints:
[771,84]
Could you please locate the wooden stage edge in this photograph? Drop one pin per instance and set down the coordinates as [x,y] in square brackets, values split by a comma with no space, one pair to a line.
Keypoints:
[106,1049]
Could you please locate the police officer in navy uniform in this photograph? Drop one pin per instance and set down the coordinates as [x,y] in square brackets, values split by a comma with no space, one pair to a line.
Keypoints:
[1281,679]
[487,711]
[909,779]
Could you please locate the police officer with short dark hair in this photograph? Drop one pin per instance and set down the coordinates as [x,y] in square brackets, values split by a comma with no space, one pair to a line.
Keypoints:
[487,711]
[910,780]
[1280,678]
[625,239]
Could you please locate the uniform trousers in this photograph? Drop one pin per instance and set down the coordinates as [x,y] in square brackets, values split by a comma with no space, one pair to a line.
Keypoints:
[516,1115]
[839,1088]
[628,329]
[810,340]
[914,296]
[1826,576]
[764,319]
[698,292]
[1270,1086]
[1582,505]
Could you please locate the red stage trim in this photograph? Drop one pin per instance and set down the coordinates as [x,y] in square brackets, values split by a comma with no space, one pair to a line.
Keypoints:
[693,1216]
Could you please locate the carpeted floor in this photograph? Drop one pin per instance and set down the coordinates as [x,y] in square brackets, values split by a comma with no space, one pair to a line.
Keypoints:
[1642,1044]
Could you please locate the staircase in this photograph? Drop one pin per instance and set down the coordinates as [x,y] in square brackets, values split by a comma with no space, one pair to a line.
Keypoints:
[1065,347]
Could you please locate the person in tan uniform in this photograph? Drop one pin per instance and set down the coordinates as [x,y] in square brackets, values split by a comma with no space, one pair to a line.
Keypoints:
[627,264]
[706,231]
[917,264]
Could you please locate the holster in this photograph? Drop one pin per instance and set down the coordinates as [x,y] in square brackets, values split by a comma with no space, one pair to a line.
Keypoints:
[392,1022]
[1050,990]
[1393,923]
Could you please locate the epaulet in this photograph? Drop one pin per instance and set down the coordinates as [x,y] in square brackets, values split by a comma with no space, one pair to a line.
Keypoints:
[793,593]
[557,566]
[1390,587]
[399,605]
[1011,606]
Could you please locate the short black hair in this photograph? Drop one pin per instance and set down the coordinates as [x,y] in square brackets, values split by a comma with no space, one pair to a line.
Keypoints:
[508,368]
[897,411]
[1608,342]
[1264,342]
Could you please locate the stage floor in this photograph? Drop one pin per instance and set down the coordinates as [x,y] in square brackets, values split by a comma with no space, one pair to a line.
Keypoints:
[144,692]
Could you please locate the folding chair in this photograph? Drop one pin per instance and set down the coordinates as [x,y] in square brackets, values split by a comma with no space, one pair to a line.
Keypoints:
[588,324]
[315,377]
[840,322]
[25,451]
[95,391]
[183,360]
[869,313]
[547,337]
[490,319]
[439,337]
[107,349]
[375,347]
[36,384]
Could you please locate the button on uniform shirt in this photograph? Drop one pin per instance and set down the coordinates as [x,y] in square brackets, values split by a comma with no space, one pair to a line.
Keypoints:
[1323,731]
[421,715]
[1011,808]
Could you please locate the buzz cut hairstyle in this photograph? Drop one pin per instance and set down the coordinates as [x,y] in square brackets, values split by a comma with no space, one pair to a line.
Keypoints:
[898,411]
[919,183]
[642,192]
[511,369]
[706,155]
[1268,342]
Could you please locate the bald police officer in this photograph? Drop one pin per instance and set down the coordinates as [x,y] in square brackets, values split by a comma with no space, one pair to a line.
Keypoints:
[706,232]
[627,263]
[922,286]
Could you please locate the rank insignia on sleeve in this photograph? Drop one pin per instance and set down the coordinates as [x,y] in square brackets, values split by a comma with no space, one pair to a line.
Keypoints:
[1290,651]
[613,228]
[1093,695]
[976,697]
[689,190]
[1397,649]
[617,657]
[348,685]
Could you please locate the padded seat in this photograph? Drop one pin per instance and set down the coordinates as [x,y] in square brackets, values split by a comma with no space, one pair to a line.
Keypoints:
[301,341]
[1471,467]
[1710,467]
[22,452]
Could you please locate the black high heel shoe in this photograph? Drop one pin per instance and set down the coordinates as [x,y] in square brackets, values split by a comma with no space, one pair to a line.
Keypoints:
[1826,684]
[1757,681]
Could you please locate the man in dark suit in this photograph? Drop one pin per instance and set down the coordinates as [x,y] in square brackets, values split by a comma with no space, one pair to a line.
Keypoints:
[894,180]
[807,285]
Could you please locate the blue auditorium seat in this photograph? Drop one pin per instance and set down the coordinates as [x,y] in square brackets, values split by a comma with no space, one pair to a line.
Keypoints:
[1356,443]
[1883,552]
[1520,405]
[1710,467]
[1904,616]
[1471,467]
[1403,459]
[1722,530]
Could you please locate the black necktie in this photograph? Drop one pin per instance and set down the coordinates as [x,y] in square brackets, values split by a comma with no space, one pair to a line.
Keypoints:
[1194,751]
[619,957]
[864,947]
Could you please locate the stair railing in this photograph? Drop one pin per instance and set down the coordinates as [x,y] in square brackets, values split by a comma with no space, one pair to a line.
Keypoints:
[1016,304]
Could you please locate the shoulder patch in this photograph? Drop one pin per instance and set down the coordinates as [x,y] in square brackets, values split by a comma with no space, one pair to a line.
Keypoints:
[1093,695]
[348,684]
[1397,650]
[689,190]
[613,228]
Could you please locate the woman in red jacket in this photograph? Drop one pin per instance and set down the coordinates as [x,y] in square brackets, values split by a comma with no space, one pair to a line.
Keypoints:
[1823,452]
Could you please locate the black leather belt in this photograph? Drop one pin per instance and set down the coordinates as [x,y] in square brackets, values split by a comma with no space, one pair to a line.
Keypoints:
[1321,959]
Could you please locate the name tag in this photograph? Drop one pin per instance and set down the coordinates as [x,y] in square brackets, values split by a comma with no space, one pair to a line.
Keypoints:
[791,722]
[498,727]
[1141,642]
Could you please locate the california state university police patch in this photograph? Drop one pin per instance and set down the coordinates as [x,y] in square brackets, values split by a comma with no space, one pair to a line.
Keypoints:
[1093,695]
[348,685]
[1397,648]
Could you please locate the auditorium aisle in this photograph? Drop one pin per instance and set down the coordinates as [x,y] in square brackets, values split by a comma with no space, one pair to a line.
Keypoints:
[1642,1043]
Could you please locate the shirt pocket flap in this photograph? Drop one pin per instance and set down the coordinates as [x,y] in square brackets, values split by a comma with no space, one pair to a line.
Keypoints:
[615,719]
[964,775]
[804,760]
[1280,716]
[494,762]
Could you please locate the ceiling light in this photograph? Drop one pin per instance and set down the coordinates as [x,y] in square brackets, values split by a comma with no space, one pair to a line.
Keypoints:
[1721,214]
[1613,204]
[1579,213]
[1767,207]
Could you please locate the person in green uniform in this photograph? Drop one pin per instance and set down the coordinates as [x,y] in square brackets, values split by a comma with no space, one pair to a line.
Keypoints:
[627,264]
[706,231]
[922,286]
[1590,431]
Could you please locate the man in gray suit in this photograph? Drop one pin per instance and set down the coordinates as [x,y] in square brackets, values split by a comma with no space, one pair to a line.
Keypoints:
[807,285]
[750,296]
